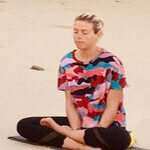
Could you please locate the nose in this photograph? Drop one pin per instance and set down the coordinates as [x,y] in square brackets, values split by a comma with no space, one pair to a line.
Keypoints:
[79,35]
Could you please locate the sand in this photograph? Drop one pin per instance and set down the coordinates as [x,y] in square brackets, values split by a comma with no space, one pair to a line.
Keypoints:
[38,32]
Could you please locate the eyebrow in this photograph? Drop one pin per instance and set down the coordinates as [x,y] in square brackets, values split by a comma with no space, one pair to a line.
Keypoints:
[81,30]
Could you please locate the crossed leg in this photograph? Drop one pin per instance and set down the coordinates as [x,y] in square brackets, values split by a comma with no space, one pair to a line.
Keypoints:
[32,129]
[55,131]
[74,138]
[95,138]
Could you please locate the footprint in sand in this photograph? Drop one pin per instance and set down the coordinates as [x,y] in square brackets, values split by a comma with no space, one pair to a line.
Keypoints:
[35,67]
[63,2]
[118,1]
[2,1]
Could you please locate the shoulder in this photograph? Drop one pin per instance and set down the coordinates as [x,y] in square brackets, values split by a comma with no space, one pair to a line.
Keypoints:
[111,58]
[67,59]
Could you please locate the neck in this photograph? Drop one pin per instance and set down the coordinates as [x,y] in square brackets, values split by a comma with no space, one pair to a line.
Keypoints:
[89,53]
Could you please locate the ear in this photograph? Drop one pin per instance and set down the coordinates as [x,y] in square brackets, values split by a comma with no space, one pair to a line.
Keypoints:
[99,35]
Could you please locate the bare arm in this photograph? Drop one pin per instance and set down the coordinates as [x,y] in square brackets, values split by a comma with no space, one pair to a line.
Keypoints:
[72,114]
[113,99]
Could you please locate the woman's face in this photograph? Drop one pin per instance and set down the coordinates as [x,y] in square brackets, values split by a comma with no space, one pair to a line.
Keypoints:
[83,35]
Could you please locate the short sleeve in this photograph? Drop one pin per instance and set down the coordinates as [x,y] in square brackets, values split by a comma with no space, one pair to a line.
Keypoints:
[118,77]
[62,83]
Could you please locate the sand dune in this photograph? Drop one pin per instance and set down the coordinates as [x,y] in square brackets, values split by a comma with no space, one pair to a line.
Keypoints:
[39,32]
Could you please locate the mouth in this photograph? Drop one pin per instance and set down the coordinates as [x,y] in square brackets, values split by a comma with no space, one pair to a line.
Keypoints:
[79,42]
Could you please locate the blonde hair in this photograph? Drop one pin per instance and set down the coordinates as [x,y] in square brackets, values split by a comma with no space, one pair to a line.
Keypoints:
[98,24]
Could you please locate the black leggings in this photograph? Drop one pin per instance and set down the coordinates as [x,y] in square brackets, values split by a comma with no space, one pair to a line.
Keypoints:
[111,138]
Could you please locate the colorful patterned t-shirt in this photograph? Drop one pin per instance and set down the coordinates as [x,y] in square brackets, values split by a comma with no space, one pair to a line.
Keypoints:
[89,84]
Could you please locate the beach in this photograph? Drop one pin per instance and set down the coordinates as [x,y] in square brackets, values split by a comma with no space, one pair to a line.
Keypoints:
[39,32]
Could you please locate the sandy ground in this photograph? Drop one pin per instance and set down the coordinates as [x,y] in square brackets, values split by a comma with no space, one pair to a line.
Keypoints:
[37,32]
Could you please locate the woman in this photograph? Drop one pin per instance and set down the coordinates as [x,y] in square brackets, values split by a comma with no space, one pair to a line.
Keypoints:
[93,80]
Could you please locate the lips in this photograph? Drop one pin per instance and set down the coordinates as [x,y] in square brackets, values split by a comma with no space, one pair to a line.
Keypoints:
[79,42]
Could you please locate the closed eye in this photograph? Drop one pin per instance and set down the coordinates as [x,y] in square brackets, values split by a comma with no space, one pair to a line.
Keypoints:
[75,30]
[85,33]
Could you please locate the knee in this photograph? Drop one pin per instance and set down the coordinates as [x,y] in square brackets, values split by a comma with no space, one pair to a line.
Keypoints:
[21,125]
[90,138]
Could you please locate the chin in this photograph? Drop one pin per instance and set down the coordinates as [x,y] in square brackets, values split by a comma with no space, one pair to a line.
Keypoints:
[82,48]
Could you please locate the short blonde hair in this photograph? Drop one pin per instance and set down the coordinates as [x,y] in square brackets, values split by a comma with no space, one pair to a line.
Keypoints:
[98,24]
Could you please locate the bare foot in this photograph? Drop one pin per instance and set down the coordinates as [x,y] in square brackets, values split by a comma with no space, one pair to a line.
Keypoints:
[49,122]
[44,122]
[64,127]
